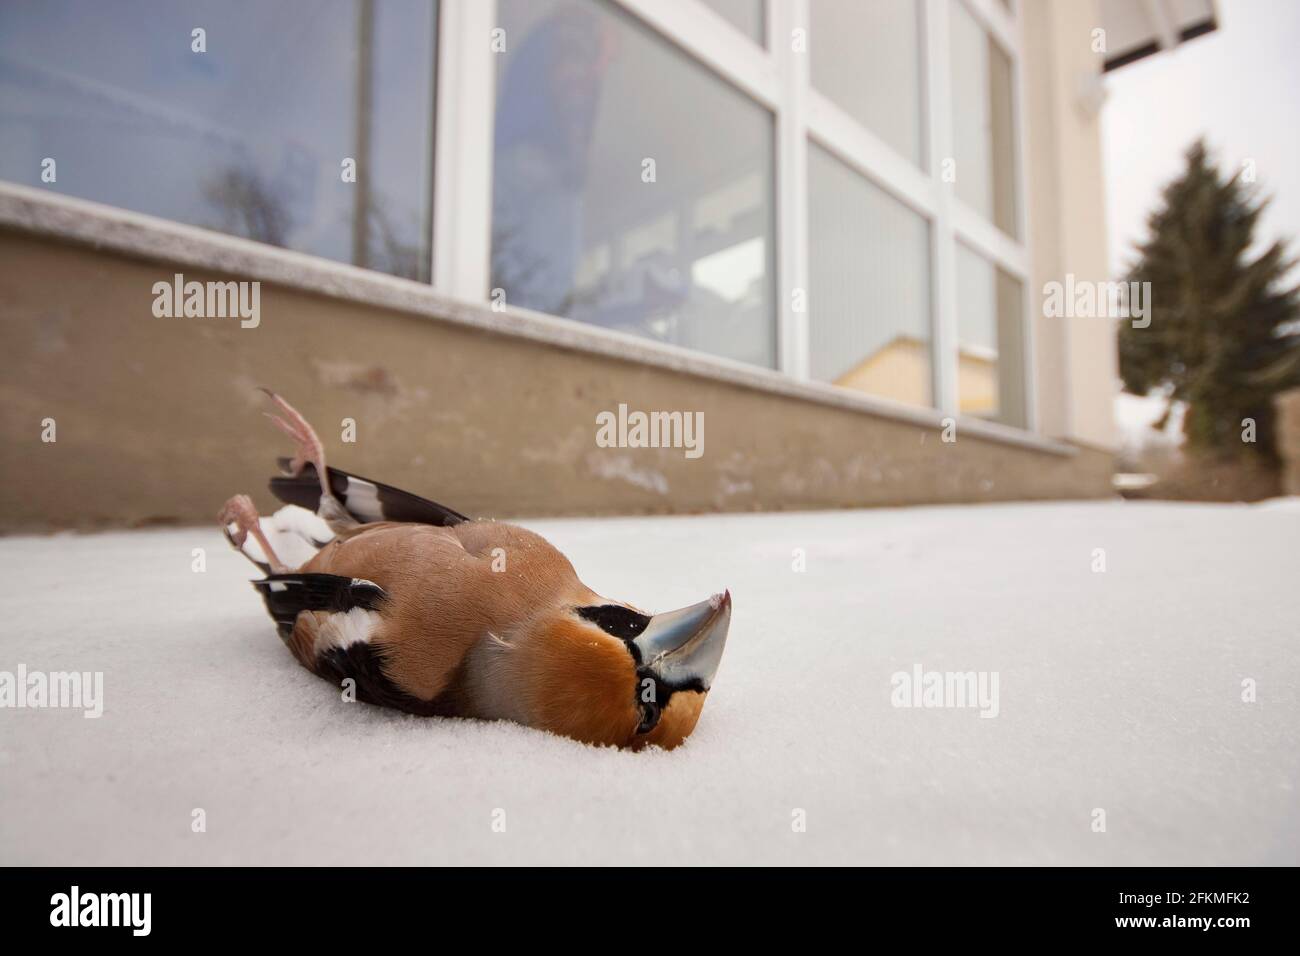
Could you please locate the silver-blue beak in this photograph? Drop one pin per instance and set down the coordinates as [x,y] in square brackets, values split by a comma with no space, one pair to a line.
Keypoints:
[684,646]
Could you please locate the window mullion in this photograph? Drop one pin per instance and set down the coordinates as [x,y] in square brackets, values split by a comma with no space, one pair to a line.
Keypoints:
[943,262]
[784,17]
[462,204]
[1019,118]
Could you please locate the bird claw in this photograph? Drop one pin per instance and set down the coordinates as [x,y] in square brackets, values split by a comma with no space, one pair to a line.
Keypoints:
[309,448]
[304,448]
[238,511]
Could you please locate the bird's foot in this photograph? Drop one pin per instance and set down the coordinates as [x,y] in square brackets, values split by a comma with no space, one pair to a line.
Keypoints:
[309,448]
[238,519]
[310,451]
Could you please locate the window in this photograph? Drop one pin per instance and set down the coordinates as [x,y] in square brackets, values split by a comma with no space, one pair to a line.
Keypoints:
[632,187]
[745,15]
[613,162]
[990,350]
[248,137]
[895,306]
[866,57]
[983,134]
[869,302]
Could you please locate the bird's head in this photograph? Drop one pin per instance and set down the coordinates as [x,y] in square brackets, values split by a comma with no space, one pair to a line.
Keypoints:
[606,673]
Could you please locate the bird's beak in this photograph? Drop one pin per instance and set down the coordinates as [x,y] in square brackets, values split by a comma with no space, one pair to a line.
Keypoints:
[684,647]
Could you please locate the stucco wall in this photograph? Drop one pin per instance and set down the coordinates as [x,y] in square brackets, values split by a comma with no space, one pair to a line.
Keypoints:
[158,419]
[1288,439]
[1076,358]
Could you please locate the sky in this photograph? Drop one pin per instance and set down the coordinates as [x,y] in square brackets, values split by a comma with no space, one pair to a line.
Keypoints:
[1240,86]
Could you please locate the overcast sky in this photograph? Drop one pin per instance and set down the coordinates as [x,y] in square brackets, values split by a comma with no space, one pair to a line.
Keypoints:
[1240,86]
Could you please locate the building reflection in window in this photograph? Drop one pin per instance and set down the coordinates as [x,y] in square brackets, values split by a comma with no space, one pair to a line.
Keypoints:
[632,187]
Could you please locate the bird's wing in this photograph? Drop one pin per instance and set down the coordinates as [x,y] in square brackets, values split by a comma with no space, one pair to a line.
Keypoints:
[288,595]
[319,614]
[439,603]
[330,622]
[364,499]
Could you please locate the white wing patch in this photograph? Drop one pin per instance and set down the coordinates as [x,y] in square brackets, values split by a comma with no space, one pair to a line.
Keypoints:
[345,628]
[363,499]
[306,524]
[295,533]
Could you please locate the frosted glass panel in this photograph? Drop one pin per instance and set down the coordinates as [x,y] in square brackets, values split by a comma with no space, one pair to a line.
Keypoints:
[983,124]
[990,336]
[866,57]
[745,15]
[869,292]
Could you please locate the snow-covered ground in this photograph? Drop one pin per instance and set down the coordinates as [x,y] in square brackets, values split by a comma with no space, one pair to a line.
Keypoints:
[1119,691]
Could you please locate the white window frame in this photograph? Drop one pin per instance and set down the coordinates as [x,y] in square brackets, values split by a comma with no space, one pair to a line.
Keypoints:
[462,153]
[778,78]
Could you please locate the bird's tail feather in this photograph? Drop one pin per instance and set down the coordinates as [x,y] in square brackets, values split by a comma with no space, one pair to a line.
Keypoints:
[287,595]
[362,498]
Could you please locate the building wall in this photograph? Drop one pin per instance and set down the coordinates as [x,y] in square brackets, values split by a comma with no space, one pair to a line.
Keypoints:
[158,419]
[1076,358]
[1288,439]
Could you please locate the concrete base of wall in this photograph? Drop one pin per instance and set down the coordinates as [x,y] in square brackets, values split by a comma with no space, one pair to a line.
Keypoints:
[1288,439]
[158,420]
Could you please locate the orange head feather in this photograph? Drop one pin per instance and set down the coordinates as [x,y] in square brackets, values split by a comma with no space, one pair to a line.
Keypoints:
[607,674]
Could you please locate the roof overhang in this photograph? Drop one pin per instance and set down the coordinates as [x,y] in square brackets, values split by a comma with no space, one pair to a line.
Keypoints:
[1136,29]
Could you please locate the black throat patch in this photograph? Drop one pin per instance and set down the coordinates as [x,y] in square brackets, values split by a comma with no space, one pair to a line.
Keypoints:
[652,692]
[616,620]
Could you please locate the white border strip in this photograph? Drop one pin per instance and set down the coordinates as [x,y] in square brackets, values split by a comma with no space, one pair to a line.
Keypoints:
[42,213]
[462,170]
[784,17]
[943,251]
[712,41]
[869,155]
[999,24]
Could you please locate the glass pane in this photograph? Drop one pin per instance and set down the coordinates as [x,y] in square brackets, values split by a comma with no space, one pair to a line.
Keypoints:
[745,15]
[869,286]
[991,342]
[984,128]
[248,137]
[866,57]
[632,188]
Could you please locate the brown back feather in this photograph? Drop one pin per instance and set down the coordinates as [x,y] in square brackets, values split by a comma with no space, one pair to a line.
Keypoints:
[444,594]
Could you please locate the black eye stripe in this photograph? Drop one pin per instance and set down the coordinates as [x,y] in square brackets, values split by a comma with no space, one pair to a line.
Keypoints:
[624,623]
[621,622]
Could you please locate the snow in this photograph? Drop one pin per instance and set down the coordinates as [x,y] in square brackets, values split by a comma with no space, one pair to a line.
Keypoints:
[1118,690]
[1136,417]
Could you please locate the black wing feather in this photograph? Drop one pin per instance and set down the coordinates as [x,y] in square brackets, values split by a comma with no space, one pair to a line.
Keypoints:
[286,595]
[364,499]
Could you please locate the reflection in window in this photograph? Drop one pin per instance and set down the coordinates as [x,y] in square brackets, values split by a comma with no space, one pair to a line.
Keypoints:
[984,131]
[868,302]
[991,344]
[744,15]
[248,137]
[866,57]
[590,105]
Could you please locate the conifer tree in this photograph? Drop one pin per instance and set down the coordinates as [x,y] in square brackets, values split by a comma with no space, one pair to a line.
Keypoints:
[1224,335]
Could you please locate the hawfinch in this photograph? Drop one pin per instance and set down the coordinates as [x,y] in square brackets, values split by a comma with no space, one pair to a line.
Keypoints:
[434,613]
